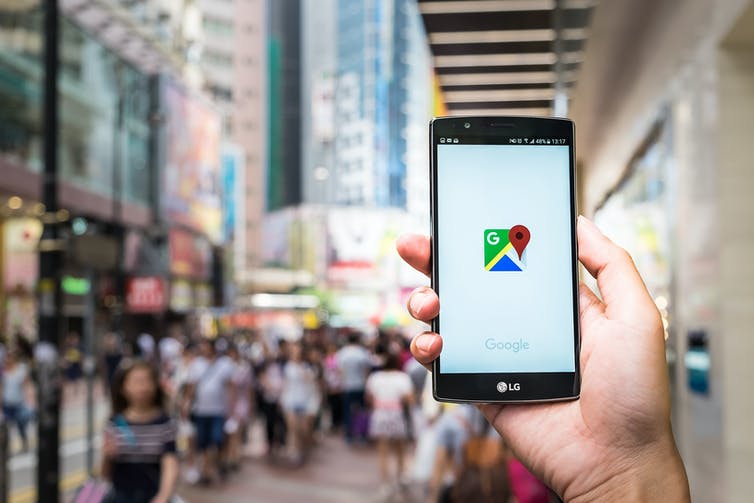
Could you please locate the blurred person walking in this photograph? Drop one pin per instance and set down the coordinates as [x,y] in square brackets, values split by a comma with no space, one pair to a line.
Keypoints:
[146,346]
[300,401]
[73,363]
[237,424]
[333,388]
[270,388]
[112,356]
[15,383]
[354,362]
[388,391]
[211,394]
[139,446]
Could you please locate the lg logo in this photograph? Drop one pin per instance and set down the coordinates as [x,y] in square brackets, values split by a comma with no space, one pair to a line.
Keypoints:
[502,387]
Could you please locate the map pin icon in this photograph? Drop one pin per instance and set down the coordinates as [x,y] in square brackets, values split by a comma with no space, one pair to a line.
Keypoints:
[519,238]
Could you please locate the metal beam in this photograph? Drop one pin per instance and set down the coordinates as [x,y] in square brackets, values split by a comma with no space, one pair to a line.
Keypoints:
[499,95]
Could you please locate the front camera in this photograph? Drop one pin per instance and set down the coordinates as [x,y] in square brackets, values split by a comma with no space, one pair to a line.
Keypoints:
[467,125]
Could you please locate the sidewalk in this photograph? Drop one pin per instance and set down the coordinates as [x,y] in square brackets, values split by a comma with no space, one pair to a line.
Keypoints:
[336,473]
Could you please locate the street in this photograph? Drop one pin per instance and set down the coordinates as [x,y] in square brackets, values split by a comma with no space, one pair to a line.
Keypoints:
[336,473]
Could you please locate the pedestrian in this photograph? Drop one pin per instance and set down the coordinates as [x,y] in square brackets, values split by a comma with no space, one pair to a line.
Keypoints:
[238,422]
[146,346]
[334,388]
[211,396]
[388,391]
[15,383]
[73,361]
[270,388]
[112,356]
[139,451]
[354,362]
[300,402]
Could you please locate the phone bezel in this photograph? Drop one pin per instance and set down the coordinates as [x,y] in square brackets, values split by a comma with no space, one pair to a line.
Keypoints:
[482,387]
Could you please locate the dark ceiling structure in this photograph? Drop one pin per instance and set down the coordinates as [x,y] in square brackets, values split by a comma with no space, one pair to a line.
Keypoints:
[506,57]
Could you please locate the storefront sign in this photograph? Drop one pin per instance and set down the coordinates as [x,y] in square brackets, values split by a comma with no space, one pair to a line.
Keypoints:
[75,286]
[146,294]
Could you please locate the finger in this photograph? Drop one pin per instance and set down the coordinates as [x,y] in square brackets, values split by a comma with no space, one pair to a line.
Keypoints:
[622,289]
[423,304]
[416,251]
[426,348]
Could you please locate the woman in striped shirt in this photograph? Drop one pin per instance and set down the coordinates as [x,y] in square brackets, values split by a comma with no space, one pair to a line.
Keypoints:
[139,452]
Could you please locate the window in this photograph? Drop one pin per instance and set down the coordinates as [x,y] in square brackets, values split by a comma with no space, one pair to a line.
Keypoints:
[217,58]
[217,26]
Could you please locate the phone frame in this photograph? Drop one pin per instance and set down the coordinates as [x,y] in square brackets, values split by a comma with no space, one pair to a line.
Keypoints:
[483,387]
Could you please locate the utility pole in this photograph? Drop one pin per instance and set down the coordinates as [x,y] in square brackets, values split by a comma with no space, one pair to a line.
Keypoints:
[47,355]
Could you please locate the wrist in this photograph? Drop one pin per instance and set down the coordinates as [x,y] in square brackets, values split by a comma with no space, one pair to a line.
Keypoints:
[656,474]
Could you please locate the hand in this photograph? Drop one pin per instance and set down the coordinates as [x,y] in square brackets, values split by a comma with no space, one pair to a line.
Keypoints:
[109,444]
[160,499]
[615,443]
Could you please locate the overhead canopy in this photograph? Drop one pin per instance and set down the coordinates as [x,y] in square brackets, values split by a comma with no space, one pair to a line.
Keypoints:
[506,56]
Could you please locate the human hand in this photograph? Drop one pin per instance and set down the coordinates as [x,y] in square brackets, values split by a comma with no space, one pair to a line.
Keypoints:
[615,443]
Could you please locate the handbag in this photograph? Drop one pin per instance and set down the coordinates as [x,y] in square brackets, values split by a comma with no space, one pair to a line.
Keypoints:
[93,490]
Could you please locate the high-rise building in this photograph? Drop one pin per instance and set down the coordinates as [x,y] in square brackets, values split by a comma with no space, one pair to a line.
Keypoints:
[319,67]
[284,180]
[381,52]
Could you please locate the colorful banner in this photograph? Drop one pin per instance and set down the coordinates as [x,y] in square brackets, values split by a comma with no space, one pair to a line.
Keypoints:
[192,194]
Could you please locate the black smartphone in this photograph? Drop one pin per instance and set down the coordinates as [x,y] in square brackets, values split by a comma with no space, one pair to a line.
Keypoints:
[504,259]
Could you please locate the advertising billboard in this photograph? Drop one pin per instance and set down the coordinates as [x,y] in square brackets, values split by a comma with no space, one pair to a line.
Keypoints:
[191,188]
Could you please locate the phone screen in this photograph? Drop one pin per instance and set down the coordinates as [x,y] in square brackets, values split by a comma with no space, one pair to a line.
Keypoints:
[505,258]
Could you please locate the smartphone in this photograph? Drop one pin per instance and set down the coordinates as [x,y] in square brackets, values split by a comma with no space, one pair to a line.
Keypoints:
[504,259]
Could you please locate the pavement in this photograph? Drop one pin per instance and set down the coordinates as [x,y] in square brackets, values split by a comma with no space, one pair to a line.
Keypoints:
[73,448]
[335,473]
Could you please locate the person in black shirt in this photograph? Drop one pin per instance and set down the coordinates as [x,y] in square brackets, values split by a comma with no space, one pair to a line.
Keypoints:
[139,451]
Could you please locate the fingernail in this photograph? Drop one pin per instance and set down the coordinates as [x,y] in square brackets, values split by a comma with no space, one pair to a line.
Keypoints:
[424,343]
[417,302]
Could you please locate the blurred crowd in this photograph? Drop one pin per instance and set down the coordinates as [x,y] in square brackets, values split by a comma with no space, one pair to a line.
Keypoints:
[189,409]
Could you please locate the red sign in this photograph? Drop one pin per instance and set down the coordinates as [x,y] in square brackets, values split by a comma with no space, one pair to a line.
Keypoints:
[146,294]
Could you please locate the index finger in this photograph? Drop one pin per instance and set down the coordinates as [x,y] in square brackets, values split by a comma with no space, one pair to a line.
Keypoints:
[415,249]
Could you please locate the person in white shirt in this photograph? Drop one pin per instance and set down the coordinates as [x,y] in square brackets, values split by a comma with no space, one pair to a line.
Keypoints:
[354,362]
[300,401]
[388,392]
[212,391]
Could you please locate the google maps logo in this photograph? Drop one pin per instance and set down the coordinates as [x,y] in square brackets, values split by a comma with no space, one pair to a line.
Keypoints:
[504,248]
